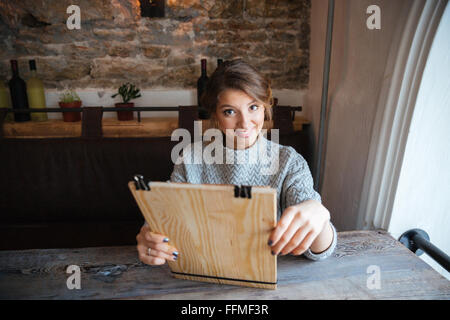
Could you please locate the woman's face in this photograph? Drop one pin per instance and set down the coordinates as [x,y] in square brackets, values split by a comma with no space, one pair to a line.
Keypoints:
[240,117]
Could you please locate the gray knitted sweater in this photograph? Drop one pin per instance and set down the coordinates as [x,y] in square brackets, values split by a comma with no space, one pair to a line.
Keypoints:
[265,163]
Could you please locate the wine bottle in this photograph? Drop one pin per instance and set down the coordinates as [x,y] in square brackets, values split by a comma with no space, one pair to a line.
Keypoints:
[18,90]
[35,93]
[201,88]
[4,101]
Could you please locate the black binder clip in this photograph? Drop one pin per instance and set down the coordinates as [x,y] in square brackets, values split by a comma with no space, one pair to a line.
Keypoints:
[140,183]
[136,183]
[243,192]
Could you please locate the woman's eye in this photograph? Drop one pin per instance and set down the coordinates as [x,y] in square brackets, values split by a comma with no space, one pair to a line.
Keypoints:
[254,107]
[228,112]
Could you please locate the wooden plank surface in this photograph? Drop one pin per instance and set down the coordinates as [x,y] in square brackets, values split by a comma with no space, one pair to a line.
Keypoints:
[116,273]
[112,128]
[221,238]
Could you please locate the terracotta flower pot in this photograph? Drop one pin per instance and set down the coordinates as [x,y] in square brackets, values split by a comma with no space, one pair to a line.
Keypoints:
[125,115]
[71,116]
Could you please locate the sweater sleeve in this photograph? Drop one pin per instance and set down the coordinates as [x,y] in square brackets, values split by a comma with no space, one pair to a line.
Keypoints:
[298,183]
[298,187]
[328,252]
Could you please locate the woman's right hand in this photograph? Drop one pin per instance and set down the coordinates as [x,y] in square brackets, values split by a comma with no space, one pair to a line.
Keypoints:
[160,250]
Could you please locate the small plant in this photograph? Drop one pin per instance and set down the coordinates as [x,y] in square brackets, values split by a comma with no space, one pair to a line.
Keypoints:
[128,92]
[69,96]
[70,99]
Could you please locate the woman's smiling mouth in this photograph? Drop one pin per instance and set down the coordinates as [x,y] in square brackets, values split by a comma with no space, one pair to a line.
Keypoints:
[244,133]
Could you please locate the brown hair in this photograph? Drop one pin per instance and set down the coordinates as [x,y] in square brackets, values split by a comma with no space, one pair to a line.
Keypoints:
[239,75]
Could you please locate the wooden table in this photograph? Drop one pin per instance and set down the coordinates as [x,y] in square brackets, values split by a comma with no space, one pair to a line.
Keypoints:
[116,273]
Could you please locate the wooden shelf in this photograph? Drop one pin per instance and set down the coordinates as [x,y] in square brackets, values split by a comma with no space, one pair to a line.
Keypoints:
[112,128]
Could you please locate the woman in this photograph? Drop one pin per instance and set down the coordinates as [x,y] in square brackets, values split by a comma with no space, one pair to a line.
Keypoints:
[239,99]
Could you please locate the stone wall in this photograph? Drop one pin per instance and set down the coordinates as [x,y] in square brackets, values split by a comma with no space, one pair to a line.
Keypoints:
[115,44]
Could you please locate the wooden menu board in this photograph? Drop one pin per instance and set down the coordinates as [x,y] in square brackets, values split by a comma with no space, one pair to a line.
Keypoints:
[220,231]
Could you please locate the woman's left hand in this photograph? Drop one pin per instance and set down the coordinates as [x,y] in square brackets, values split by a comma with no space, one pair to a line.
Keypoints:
[298,227]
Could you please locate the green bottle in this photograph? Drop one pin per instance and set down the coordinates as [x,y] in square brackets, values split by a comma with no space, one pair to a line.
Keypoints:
[4,101]
[35,93]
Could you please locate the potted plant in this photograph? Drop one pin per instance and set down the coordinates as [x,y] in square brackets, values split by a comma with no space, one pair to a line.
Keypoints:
[128,92]
[70,99]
